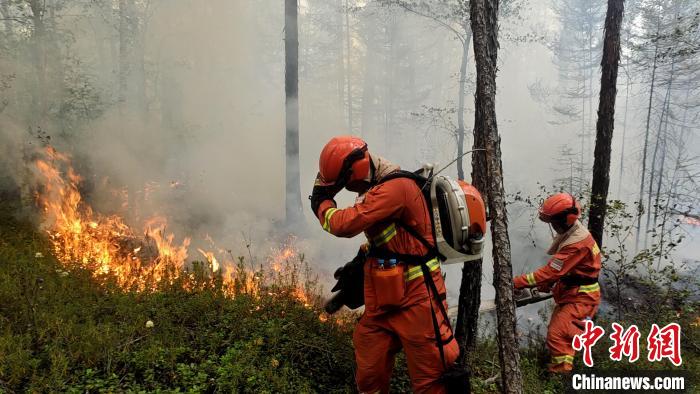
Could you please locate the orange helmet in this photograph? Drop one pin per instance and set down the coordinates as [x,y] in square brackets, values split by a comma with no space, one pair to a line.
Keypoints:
[339,155]
[561,207]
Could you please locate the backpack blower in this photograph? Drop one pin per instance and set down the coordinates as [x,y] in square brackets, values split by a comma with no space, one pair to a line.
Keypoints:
[459,223]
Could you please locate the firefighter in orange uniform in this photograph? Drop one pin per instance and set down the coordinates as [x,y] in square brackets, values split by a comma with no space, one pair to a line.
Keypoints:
[398,304]
[571,274]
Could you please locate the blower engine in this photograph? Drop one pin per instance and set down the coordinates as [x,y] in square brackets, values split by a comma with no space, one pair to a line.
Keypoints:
[459,216]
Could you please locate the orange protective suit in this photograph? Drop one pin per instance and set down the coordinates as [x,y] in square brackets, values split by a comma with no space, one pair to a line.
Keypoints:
[381,331]
[575,255]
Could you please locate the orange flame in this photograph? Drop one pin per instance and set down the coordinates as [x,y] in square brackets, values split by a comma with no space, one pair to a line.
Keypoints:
[107,246]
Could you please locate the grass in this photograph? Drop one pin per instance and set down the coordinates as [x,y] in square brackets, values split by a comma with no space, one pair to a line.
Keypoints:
[63,332]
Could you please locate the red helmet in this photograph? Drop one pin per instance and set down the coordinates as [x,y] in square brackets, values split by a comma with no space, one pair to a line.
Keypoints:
[561,207]
[341,153]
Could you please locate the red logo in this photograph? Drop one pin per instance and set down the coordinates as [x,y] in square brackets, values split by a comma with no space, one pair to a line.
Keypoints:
[665,343]
[586,340]
[626,342]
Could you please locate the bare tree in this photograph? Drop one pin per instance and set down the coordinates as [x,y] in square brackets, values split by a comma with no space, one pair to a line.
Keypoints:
[291,90]
[646,134]
[606,119]
[348,67]
[123,48]
[484,23]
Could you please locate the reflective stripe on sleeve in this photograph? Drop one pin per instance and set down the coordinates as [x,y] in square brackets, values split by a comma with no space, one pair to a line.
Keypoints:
[327,218]
[589,288]
[530,278]
[416,271]
[385,236]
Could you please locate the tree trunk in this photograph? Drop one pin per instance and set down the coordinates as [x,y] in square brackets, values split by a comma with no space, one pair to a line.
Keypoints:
[39,53]
[123,60]
[484,22]
[340,60]
[291,90]
[466,331]
[661,173]
[628,82]
[139,32]
[640,202]
[470,288]
[6,17]
[389,67]
[624,136]
[348,68]
[460,101]
[606,119]
[659,133]
[368,93]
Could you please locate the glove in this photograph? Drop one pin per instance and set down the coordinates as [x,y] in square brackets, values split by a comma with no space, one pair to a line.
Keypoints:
[320,194]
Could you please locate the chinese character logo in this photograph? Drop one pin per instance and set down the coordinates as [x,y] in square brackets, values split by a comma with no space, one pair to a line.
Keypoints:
[626,343]
[586,340]
[665,343]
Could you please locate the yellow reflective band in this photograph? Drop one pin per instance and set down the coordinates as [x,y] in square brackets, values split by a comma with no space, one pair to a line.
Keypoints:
[416,271]
[385,236]
[563,359]
[530,278]
[327,218]
[596,249]
[589,288]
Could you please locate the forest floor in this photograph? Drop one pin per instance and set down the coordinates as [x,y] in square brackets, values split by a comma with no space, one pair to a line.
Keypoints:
[61,331]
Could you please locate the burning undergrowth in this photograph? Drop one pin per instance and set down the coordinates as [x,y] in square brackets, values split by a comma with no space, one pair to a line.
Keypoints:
[151,258]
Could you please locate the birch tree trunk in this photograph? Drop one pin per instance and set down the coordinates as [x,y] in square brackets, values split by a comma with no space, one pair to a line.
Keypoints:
[460,101]
[484,23]
[291,89]
[606,119]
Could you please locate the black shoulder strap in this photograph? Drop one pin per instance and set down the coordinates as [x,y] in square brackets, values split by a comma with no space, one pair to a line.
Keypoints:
[421,182]
[432,249]
[419,179]
[430,284]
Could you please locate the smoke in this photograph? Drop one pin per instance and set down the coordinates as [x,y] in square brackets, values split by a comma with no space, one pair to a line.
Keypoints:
[196,134]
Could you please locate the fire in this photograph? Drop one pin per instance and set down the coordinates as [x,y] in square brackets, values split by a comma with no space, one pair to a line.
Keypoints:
[280,257]
[146,260]
[214,264]
[103,244]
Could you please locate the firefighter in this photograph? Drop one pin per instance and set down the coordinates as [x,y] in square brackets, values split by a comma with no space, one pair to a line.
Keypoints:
[398,304]
[571,274]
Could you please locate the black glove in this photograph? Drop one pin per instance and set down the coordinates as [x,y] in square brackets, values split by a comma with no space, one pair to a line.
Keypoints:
[320,194]
[349,290]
